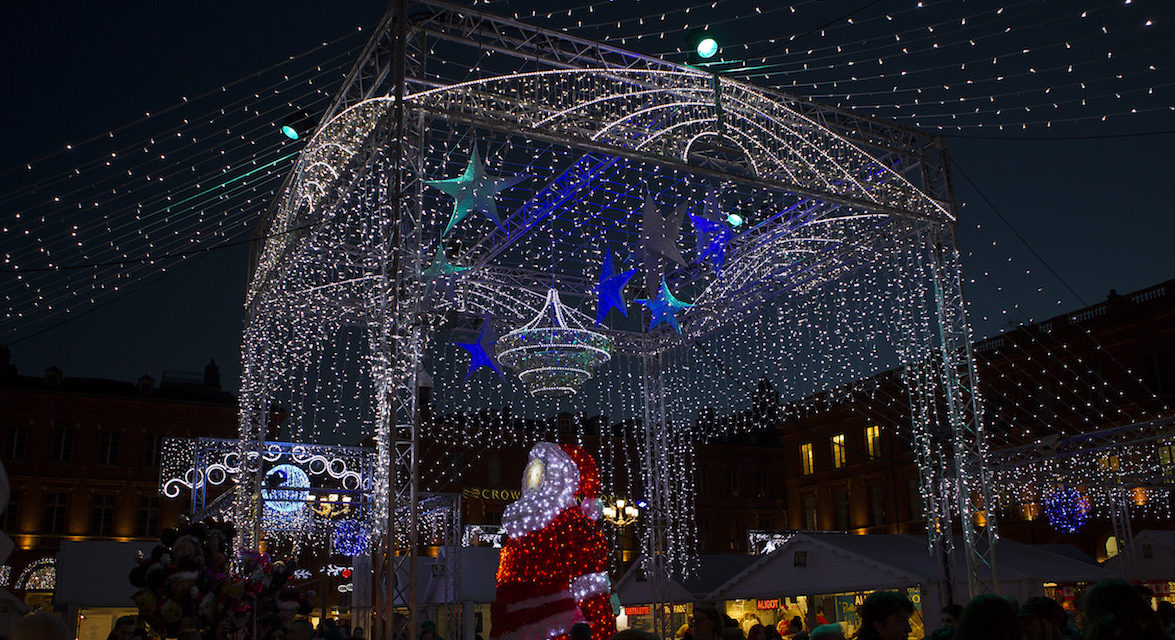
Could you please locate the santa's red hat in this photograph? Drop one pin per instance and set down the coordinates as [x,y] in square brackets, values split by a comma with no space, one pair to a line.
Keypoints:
[588,491]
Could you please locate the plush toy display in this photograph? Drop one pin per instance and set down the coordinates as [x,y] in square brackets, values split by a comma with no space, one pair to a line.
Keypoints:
[552,571]
[186,587]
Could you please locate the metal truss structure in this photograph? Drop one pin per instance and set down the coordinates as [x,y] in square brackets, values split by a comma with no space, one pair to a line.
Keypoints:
[600,132]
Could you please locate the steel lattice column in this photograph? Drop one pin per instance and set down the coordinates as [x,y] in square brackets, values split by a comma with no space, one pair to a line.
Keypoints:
[964,414]
[656,466]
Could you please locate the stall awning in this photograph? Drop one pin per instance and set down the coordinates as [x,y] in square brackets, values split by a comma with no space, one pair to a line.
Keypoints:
[1150,557]
[822,563]
[635,587]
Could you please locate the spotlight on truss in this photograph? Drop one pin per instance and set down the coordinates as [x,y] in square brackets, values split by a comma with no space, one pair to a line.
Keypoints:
[297,125]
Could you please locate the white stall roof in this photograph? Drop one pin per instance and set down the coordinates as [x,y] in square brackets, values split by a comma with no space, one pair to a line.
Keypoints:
[712,571]
[94,574]
[835,563]
[1150,557]
[479,569]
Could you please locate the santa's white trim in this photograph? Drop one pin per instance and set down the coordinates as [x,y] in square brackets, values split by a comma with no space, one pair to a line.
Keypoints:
[538,507]
[590,584]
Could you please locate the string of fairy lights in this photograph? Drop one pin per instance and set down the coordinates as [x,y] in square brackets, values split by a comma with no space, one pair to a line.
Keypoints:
[215,172]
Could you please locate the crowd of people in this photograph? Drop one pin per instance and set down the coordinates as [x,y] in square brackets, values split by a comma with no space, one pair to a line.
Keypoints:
[1110,610]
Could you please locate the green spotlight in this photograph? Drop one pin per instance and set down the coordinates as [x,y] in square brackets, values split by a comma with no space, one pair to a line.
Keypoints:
[297,125]
[734,219]
[707,47]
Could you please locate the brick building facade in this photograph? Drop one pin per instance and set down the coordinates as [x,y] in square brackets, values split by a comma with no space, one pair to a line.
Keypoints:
[82,456]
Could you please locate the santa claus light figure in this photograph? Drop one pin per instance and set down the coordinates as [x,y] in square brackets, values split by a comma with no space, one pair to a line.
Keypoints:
[552,572]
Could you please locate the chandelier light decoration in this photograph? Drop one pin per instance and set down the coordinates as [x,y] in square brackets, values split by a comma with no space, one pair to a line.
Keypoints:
[552,356]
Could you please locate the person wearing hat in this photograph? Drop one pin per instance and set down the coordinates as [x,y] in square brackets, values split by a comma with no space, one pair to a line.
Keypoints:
[1041,618]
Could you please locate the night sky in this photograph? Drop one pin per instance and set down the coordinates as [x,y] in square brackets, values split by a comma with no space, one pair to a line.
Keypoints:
[1096,209]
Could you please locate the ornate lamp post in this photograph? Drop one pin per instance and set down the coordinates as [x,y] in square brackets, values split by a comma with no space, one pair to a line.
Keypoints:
[620,513]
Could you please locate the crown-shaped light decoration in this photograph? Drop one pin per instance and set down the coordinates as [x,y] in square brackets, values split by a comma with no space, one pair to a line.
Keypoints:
[551,355]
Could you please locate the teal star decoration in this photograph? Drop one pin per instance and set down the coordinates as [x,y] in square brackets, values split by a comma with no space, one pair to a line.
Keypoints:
[610,292]
[441,268]
[480,349]
[713,233]
[475,190]
[664,308]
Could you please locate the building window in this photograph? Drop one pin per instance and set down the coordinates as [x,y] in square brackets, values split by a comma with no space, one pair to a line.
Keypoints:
[838,451]
[873,442]
[842,510]
[147,520]
[62,450]
[152,443]
[108,447]
[1108,463]
[56,505]
[14,439]
[810,521]
[806,458]
[876,506]
[764,483]
[1167,457]
[12,513]
[102,515]
[732,481]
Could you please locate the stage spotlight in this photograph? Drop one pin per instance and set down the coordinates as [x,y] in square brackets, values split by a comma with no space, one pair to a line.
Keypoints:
[704,43]
[734,219]
[297,125]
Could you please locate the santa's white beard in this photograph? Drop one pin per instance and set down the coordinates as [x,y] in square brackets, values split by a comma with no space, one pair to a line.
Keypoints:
[531,513]
[538,507]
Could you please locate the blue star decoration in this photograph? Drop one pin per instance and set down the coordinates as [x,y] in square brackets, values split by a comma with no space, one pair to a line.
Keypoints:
[713,233]
[474,191]
[479,350]
[610,292]
[441,268]
[664,308]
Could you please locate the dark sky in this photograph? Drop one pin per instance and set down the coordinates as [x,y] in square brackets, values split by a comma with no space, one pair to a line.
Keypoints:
[1097,210]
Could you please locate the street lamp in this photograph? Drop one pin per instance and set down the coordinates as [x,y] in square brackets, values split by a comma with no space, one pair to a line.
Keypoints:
[620,513]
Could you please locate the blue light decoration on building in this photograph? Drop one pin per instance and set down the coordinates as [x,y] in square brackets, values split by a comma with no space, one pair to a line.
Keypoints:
[1066,509]
[349,538]
[287,489]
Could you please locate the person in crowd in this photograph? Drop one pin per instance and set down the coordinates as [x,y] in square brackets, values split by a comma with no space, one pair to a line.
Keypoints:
[820,619]
[300,630]
[885,615]
[580,631]
[633,634]
[357,633]
[124,627]
[772,633]
[41,626]
[988,617]
[1166,613]
[1042,619]
[757,632]
[1114,609]
[950,620]
[828,632]
[704,624]
[796,629]
[731,629]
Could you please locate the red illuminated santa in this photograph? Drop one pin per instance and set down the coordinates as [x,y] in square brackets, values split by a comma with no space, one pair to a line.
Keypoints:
[552,571]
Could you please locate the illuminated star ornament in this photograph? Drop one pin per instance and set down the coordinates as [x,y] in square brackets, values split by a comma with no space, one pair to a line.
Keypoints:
[480,349]
[610,291]
[659,234]
[664,308]
[713,233]
[441,268]
[474,191]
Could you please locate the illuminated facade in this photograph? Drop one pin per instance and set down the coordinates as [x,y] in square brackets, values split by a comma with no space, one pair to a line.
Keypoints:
[83,457]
